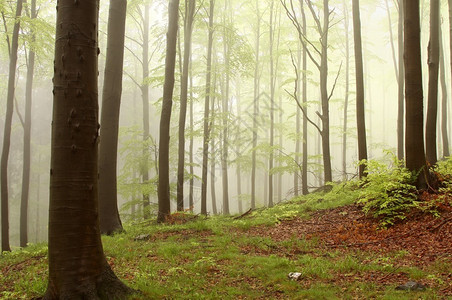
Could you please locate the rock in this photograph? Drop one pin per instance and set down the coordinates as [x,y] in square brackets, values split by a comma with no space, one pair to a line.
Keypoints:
[294,276]
[142,237]
[411,286]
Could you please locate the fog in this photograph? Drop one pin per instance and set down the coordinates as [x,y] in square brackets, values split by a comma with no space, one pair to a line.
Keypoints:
[240,21]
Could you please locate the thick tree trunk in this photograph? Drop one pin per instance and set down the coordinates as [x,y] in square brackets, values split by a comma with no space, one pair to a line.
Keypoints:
[73,211]
[207,126]
[433,68]
[7,129]
[442,75]
[165,119]
[109,219]
[360,112]
[27,141]
[188,27]
[255,109]
[414,140]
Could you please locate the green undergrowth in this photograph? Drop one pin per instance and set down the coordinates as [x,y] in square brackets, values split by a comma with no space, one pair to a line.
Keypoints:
[216,257]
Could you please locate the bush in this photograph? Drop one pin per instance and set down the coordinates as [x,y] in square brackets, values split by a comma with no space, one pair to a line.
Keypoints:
[388,192]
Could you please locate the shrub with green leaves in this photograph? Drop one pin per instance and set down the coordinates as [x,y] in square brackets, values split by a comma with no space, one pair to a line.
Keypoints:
[388,192]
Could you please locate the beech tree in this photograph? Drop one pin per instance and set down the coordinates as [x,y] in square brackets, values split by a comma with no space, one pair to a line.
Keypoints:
[7,129]
[433,69]
[109,219]
[24,202]
[360,113]
[414,139]
[206,124]
[170,62]
[73,212]
[188,27]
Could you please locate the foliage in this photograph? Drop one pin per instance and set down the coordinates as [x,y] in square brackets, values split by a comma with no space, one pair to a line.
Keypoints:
[388,192]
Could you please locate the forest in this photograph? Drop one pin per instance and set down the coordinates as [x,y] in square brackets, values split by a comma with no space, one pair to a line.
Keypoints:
[206,149]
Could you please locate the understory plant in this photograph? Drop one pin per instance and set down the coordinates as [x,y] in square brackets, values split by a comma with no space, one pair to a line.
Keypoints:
[388,192]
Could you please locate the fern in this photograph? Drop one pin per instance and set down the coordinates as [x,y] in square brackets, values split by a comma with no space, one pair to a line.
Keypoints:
[388,192]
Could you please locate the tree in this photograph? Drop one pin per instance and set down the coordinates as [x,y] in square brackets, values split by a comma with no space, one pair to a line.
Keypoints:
[73,212]
[360,112]
[188,28]
[347,92]
[207,126]
[27,140]
[321,63]
[401,85]
[109,219]
[255,106]
[7,129]
[414,138]
[165,119]
[442,70]
[433,68]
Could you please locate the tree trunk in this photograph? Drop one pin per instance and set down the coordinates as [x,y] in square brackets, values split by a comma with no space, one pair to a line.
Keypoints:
[304,78]
[238,152]
[360,112]
[225,118]
[73,211]
[145,97]
[347,92]
[433,67]
[27,139]
[165,119]
[213,180]
[109,219]
[272,110]
[414,140]
[442,69]
[255,109]
[401,87]
[324,95]
[7,129]
[207,127]
[192,172]
[297,131]
[188,27]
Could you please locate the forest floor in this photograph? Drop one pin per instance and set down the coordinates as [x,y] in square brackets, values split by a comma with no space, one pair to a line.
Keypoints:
[339,252]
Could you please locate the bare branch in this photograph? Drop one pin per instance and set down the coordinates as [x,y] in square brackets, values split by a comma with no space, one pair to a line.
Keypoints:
[335,82]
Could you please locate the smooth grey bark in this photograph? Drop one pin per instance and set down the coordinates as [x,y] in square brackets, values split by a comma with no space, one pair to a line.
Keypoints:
[164,208]
[109,219]
[7,129]
[24,203]
[433,69]
[213,150]
[207,126]
[188,27]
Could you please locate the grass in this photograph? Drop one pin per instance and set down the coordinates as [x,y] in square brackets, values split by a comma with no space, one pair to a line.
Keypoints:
[212,258]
